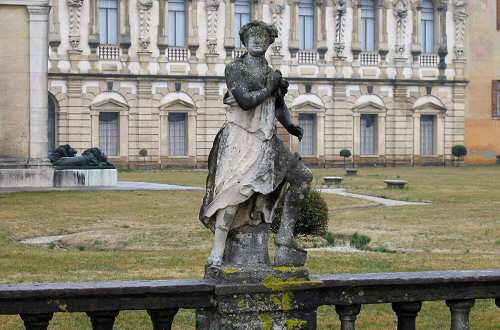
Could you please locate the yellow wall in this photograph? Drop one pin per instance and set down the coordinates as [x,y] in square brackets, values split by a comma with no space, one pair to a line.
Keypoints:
[14,82]
[482,132]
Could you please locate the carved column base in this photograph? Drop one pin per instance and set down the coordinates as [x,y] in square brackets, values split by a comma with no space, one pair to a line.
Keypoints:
[144,60]
[74,59]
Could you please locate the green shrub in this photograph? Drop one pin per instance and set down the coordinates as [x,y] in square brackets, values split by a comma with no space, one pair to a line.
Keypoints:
[359,241]
[330,238]
[312,220]
[459,151]
[346,153]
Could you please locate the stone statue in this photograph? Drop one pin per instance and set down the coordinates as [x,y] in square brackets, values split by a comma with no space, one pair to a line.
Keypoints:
[250,169]
[66,157]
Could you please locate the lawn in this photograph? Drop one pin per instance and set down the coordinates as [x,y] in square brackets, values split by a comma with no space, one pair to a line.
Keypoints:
[156,235]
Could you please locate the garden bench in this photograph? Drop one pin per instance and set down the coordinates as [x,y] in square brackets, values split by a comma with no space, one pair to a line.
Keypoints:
[332,180]
[351,171]
[400,184]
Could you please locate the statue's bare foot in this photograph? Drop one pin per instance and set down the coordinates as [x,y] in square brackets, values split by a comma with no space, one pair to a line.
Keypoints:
[215,260]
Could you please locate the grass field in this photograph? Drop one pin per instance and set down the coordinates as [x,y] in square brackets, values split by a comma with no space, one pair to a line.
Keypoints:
[156,235]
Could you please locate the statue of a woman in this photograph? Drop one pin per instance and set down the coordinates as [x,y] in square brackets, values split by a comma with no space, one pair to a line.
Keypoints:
[250,169]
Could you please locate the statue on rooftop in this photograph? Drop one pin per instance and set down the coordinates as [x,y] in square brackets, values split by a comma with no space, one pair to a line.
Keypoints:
[250,169]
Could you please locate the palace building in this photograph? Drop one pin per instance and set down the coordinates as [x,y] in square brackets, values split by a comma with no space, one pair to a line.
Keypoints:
[144,79]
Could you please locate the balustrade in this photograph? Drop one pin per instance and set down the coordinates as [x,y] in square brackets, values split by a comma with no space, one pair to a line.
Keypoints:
[36,304]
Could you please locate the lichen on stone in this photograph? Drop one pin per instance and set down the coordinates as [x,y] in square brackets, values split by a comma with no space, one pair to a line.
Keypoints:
[277,284]
[295,324]
[267,321]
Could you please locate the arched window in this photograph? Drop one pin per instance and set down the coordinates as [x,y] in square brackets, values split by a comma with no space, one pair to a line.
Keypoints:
[242,16]
[427,26]
[108,22]
[51,126]
[177,23]
[306,24]
[368,25]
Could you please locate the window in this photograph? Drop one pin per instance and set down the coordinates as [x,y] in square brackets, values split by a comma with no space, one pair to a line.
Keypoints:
[427,135]
[367,25]
[108,133]
[308,123]
[306,24]
[495,98]
[177,135]
[427,26]
[243,14]
[51,125]
[176,23]
[108,22]
[369,134]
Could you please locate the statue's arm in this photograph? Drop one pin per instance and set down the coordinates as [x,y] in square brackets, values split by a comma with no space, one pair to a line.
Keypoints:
[283,114]
[237,84]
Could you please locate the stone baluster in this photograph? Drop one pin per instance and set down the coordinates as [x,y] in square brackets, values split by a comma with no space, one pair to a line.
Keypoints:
[460,310]
[162,319]
[347,315]
[103,320]
[407,314]
[36,321]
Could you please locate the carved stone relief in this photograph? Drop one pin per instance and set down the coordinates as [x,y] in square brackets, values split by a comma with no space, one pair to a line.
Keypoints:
[212,18]
[460,18]
[401,19]
[144,10]
[277,10]
[340,13]
[74,12]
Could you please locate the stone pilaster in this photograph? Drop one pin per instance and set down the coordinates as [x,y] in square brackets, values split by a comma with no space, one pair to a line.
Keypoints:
[39,56]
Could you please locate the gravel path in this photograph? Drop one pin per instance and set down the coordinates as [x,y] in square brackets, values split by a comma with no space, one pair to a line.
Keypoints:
[378,200]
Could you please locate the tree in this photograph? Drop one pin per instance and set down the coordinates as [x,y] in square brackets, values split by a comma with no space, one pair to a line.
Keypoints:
[346,153]
[459,151]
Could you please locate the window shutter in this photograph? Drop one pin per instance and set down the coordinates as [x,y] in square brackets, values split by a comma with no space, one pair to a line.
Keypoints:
[494,98]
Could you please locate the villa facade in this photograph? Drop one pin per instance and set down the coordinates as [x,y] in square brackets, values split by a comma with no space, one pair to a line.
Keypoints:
[144,79]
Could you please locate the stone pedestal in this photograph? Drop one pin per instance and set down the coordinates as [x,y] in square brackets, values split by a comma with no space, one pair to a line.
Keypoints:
[85,178]
[271,303]
[36,176]
[274,301]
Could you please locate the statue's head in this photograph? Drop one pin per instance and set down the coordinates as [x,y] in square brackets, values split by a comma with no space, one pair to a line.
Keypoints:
[96,153]
[257,36]
[67,150]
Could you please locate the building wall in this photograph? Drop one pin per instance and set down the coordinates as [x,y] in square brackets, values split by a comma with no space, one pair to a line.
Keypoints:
[482,129]
[14,82]
[336,81]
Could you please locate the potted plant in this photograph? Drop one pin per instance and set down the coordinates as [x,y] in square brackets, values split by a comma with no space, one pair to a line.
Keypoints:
[345,153]
[459,152]
[143,153]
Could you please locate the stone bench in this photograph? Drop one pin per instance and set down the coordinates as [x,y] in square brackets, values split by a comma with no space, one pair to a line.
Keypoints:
[332,180]
[399,184]
[351,171]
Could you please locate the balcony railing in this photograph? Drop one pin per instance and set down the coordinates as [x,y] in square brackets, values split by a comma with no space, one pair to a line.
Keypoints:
[237,52]
[103,301]
[307,56]
[108,52]
[429,60]
[369,59]
[177,54]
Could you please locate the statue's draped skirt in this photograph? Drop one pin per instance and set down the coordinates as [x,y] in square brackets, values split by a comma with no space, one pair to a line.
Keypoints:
[247,166]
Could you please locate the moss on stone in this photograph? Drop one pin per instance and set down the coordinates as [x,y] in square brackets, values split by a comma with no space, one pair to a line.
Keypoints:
[295,324]
[230,270]
[277,284]
[267,321]
[242,304]
[286,269]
